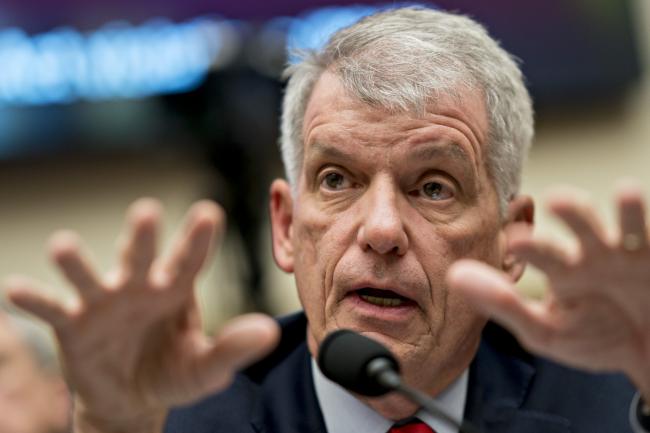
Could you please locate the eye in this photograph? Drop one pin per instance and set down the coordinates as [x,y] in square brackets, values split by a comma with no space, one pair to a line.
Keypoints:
[334,181]
[437,191]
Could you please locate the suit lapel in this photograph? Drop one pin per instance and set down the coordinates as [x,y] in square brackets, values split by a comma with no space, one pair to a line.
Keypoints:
[287,402]
[500,378]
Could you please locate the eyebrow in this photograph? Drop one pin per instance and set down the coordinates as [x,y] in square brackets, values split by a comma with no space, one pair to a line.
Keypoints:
[329,151]
[434,150]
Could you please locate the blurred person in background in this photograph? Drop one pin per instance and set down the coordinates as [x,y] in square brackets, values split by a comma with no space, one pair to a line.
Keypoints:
[33,395]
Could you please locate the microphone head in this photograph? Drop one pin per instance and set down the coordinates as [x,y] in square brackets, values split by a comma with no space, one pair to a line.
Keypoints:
[343,357]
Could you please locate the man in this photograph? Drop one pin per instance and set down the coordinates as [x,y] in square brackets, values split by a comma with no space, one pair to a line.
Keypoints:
[33,396]
[403,141]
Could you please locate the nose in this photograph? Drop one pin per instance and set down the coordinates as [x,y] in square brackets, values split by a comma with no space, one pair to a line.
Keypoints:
[382,228]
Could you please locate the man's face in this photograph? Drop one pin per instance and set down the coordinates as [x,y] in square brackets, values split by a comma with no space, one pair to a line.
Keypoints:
[385,204]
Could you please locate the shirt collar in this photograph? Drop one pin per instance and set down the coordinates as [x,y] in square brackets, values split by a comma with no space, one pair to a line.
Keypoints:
[344,413]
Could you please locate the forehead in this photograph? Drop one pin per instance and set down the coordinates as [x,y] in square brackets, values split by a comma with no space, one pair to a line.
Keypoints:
[461,117]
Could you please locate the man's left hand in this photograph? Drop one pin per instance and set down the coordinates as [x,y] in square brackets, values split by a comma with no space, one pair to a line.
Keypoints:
[596,312]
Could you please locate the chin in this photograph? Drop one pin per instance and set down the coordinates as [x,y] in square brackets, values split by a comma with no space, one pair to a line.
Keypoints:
[406,352]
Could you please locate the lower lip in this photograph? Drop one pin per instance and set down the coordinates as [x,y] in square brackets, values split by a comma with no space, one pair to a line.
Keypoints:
[398,313]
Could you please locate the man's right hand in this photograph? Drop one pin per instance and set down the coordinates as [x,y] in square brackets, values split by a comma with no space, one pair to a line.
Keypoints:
[132,346]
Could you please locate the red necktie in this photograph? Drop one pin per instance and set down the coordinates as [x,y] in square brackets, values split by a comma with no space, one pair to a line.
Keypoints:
[412,427]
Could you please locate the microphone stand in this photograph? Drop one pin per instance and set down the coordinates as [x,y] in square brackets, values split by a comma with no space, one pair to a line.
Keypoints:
[382,370]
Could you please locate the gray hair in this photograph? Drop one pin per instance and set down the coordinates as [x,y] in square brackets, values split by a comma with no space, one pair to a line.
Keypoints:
[402,60]
[35,336]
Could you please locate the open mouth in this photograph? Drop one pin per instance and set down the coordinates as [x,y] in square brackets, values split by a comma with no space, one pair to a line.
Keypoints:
[383,298]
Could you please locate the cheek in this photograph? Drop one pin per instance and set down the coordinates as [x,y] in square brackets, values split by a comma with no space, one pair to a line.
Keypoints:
[477,238]
[438,247]
[315,241]
[319,242]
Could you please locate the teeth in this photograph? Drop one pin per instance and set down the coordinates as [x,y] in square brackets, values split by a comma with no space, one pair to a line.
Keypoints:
[382,302]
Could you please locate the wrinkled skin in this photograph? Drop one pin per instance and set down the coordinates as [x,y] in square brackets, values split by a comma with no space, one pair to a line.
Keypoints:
[390,201]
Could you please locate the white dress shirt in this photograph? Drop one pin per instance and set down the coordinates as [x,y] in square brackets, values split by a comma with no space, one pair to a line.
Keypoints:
[344,413]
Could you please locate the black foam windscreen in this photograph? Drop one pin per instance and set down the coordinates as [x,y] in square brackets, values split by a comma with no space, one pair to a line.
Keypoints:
[343,357]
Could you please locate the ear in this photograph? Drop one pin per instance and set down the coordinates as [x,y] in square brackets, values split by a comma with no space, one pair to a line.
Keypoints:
[520,221]
[281,209]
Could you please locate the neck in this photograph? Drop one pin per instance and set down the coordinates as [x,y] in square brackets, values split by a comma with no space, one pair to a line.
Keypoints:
[392,406]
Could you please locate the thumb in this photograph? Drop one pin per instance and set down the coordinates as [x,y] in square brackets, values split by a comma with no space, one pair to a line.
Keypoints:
[240,342]
[492,293]
[487,289]
[477,279]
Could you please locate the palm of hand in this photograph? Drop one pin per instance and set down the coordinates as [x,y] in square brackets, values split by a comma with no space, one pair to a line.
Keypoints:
[135,346]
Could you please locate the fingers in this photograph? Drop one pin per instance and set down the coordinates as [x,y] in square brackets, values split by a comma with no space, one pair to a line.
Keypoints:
[24,294]
[490,292]
[242,341]
[572,208]
[65,251]
[205,219]
[632,219]
[581,217]
[139,249]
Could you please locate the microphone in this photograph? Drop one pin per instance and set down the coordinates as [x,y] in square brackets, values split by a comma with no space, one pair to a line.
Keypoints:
[366,367]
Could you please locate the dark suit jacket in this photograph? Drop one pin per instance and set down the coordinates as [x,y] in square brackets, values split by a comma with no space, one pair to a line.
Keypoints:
[509,391]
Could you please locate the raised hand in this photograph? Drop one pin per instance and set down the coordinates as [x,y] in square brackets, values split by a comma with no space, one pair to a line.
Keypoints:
[596,313]
[132,346]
